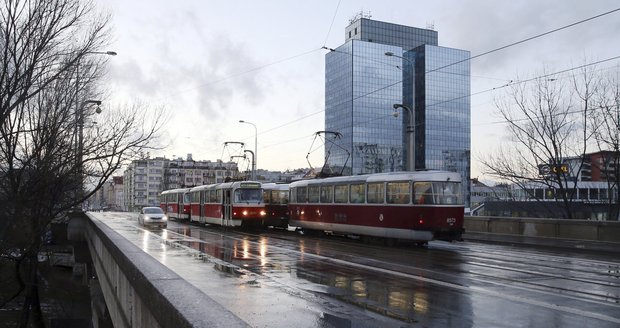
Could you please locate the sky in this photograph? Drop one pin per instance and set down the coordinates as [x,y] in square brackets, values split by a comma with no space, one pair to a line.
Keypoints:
[212,63]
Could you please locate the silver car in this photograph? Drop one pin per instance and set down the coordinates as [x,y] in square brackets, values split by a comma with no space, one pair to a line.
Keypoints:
[153,217]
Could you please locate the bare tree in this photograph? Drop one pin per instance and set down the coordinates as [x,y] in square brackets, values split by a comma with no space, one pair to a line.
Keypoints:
[604,120]
[543,122]
[44,112]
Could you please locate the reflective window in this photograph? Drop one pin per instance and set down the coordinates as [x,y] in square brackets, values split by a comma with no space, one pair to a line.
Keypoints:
[357,193]
[313,194]
[398,193]
[375,193]
[341,194]
[327,194]
[301,194]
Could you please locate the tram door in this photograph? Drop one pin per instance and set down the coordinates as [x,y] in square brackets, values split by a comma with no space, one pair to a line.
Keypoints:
[201,207]
[227,208]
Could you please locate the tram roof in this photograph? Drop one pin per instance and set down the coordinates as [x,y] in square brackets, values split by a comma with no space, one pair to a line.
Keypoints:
[174,191]
[232,184]
[386,177]
[275,186]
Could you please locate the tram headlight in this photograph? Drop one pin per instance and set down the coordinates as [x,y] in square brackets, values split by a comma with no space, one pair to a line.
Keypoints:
[263,213]
[245,213]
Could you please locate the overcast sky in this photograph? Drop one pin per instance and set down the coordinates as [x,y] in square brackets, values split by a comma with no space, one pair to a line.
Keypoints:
[213,63]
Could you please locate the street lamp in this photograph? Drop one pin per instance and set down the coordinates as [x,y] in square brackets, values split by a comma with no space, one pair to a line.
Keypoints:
[410,136]
[410,112]
[79,117]
[80,145]
[255,155]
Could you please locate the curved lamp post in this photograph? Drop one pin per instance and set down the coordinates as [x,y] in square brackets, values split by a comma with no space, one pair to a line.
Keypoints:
[255,155]
[79,116]
[410,136]
[411,113]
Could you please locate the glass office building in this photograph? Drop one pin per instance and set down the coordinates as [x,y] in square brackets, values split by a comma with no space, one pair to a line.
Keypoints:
[362,84]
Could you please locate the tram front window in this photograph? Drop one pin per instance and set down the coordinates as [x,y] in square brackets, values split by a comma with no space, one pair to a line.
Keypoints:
[248,195]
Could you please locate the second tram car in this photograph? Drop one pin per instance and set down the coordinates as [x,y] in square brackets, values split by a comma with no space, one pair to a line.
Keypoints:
[416,206]
[275,197]
[175,203]
[238,203]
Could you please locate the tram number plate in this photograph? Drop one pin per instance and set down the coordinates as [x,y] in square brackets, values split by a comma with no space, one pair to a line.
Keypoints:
[451,221]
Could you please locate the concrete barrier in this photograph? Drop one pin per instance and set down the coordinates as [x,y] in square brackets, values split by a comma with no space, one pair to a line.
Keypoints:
[602,231]
[138,290]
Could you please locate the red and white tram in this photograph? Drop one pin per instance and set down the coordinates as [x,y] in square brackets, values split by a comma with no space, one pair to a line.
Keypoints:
[175,203]
[275,197]
[238,203]
[417,206]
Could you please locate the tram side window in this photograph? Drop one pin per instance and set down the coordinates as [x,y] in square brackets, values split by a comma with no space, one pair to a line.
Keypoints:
[186,198]
[341,194]
[423,193]
[398,193]
[267,196]
[195,197]
[219,196]
[204,199]
[213,196]
[279,197]
[301,195]
[327,194]
[313,194]
[375,193]
[448,193]
[283,197]
[357,193]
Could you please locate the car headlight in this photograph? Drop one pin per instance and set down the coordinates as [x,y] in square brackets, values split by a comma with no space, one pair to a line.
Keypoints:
[164,218]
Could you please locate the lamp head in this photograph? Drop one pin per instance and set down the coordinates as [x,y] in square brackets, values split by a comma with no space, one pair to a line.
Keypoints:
[98,110]
[395,113]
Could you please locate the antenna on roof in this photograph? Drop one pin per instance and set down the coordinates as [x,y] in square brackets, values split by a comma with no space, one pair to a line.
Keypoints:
[359,16]
[430,26]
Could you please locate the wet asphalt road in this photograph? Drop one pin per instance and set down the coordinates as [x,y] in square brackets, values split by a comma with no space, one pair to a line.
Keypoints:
[277,278]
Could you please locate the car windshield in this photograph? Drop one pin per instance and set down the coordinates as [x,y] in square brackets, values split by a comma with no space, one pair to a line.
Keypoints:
[153,210]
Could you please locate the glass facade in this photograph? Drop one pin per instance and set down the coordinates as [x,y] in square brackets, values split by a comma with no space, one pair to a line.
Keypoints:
[362,84]
[443,111]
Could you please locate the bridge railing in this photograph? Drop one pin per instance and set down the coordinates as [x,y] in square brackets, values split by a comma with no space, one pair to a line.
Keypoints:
[138,290]
[601,231]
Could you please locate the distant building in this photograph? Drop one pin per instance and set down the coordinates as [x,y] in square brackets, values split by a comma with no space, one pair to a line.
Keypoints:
[145,179]
[109,196]
[481,193]
[362,84]
[590,185]
[598,166]
[181,173]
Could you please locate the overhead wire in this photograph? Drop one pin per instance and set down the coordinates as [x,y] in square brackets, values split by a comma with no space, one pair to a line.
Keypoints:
[332,23]
[442,67]
[399,82]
